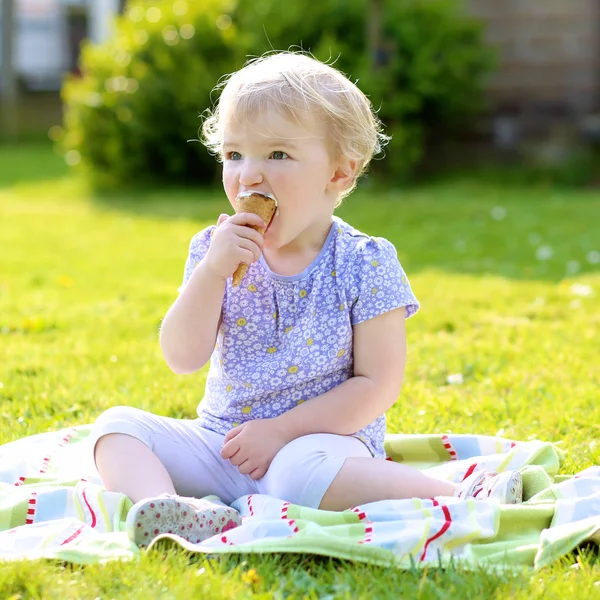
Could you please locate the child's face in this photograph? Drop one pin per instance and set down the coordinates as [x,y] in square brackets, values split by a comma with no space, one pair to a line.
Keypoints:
[275,155]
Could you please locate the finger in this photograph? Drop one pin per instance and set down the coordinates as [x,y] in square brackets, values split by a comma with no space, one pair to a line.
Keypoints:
[248,233]
[245,256]
[238,458]
[251,247]
[229,449]
[258,473]
[222,218]
[248,219]
[232,433]
[246,467]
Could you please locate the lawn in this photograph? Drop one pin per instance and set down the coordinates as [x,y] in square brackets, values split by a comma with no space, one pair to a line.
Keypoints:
[508,276]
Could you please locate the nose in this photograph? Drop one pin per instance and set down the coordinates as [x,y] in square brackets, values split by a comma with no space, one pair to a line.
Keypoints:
[251,173]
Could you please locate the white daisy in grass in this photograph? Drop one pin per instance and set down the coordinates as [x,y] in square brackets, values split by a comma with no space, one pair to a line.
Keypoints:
[544,253]
[498,213]
[593,257]
[455,379]
[580,289]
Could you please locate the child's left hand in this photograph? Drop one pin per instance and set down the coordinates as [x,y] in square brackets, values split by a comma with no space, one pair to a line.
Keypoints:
[252,446]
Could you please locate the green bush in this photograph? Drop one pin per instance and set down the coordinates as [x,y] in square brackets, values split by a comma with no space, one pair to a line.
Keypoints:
[138,101]
[132,112]
[431,72]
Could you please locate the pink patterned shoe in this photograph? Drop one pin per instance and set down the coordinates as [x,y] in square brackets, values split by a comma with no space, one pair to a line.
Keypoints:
[193,519]
[505,487]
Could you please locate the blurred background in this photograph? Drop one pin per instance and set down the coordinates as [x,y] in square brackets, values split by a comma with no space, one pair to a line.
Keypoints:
[118,86]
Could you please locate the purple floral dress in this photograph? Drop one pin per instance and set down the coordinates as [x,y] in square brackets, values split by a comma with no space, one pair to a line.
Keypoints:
[285,340]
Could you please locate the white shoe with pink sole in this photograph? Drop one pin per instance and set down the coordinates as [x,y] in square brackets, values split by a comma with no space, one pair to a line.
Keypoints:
[505,487]
[193,519]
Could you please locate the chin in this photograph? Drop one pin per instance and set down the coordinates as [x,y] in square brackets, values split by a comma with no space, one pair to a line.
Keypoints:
[272,239]
[273,244]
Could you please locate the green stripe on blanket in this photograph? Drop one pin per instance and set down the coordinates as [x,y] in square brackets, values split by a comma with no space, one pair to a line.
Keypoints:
[52,505]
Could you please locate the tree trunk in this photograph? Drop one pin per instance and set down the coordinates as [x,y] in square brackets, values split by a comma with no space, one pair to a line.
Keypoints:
[374,26]
[8,89]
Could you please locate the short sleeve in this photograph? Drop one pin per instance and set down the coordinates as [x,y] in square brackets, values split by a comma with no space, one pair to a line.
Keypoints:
[198,248]
[379,283]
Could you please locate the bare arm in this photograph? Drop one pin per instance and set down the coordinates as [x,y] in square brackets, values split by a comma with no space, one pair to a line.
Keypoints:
[189,329]
[379,361]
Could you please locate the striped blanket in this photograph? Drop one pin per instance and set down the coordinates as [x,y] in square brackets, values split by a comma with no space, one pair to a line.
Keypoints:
[52,505]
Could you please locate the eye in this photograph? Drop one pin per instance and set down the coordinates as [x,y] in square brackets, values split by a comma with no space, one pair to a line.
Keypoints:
[233,155]
[279,155]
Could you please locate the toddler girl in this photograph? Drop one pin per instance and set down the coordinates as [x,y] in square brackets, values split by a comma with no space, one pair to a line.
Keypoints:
[307,354]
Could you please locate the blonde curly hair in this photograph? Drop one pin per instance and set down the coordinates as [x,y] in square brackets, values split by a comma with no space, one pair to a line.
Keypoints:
[297,85]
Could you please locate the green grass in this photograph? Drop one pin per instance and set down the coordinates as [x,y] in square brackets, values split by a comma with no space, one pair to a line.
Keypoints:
[86,279]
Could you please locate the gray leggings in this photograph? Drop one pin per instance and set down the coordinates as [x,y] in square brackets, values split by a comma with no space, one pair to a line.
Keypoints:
[300,473]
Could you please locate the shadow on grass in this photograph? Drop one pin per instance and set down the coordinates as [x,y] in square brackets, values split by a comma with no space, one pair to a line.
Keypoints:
[29,162]
[474,223]
[459,224]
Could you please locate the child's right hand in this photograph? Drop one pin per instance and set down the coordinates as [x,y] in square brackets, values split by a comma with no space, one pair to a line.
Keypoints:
[234,241]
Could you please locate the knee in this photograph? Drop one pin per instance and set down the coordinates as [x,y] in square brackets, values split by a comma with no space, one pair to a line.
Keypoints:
[118,419]
[303,470]
[291,469]
[116,414]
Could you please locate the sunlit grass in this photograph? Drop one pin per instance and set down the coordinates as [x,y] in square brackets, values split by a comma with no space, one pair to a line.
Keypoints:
[509,281]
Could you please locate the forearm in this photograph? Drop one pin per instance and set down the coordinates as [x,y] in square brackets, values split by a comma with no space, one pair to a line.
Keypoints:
[343,410]
[189,329]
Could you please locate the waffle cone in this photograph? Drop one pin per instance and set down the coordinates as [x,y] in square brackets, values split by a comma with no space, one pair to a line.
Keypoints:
[259,204]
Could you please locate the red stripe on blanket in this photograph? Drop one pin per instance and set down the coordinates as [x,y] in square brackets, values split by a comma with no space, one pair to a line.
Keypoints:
[284,510]
[368,533]
[361,514]
[46,459]
[449,448]
[470,471]
[92,513]
[31,510]
[250,505]
[442,531]
[72,537]
[67,437]
[292,524]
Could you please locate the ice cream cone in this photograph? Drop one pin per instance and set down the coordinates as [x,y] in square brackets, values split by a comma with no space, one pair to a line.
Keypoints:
[263,205]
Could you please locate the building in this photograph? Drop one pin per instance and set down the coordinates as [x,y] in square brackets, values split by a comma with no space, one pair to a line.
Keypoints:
[47,35]
[547,84]
[44,38]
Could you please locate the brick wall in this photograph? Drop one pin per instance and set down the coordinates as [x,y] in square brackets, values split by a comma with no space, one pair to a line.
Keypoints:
[549,54]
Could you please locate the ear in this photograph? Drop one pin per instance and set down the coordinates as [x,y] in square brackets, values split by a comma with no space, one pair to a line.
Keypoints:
[343,175]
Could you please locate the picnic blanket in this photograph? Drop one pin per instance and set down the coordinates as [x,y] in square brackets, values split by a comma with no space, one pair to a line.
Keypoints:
[53,506]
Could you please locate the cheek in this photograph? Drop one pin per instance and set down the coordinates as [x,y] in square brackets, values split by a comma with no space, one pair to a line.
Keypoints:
[229,182]
[227,174]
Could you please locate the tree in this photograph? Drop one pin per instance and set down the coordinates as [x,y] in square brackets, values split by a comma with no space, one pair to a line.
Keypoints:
[374,26]
[8,76]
